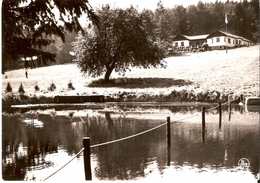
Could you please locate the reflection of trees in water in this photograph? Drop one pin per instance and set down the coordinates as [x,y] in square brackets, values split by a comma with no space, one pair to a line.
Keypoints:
[221,148]
[192,109]
[187,109]
[129,158]
[126,159]
[245,144]
[23,147]
[13,164]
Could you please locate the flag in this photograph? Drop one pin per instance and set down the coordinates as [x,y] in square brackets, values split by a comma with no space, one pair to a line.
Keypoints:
[72,53]
[226,21]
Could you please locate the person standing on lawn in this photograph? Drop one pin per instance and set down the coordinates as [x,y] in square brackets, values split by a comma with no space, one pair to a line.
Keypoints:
[26,73]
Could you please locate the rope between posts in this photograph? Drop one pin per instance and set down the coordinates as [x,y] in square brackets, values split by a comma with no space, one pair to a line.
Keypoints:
[186,117]
[110,142]
[212,108]
[65,164]
[221,104]
[104,144]
[226,103]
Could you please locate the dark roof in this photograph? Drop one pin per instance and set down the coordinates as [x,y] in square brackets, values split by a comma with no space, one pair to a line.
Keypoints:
[180,37]
[222,33]
[247,40]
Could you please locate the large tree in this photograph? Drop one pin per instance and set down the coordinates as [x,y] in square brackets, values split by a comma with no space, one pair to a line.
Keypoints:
[119,43]
[28,26]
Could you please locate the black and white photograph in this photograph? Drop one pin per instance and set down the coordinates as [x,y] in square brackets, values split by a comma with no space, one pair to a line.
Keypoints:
[110,90]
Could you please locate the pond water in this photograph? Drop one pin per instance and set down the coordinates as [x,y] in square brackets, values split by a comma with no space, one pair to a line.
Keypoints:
[36,143]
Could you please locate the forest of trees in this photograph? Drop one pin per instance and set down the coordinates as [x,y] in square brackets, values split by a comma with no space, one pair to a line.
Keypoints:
[203,18]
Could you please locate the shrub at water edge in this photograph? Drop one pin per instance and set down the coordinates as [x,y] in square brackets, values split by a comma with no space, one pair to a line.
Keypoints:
[36,87]
[52,87]
[8,88]
[70,86]
[21,90]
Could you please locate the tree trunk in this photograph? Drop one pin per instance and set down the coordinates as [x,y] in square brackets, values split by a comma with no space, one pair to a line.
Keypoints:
[108,73]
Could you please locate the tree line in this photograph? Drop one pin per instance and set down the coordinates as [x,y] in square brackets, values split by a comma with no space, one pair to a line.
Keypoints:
[205,18]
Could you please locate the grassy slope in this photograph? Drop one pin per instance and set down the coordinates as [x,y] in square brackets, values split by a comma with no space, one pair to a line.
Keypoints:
[234,73]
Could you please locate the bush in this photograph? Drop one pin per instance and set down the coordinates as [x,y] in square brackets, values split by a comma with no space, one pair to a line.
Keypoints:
[52,87]
[8,88]
[71,114]
[70,86]
[36,87]
[21,90]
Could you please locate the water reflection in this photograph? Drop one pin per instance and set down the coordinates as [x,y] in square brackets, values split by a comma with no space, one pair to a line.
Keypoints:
[27,145]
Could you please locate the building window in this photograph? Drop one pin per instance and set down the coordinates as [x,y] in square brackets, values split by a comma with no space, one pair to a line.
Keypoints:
[176,44]
[182,43]
[224,39]
[212,40]
[229,40]
[218,39]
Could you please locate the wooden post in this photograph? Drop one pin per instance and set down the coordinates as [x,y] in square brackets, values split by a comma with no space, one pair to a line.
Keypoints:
[220,115]
[203,124]
[229,118]
[241,103]
[203,117]
[87,167]
[168,141]
[241,98]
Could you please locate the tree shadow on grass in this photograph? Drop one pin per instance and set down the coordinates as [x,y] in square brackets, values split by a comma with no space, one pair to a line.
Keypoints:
[140,83]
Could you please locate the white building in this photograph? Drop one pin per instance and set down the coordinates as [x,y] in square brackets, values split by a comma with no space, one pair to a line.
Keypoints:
[186,41]
[221,40]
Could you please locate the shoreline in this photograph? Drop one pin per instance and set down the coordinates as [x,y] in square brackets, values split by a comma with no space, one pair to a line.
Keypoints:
[182,96]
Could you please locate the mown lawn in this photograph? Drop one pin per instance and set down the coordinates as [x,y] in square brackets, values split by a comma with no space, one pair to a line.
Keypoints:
[236,72]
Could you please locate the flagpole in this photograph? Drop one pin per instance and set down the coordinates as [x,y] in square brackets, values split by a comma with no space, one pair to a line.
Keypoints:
[226,39]
[226,21]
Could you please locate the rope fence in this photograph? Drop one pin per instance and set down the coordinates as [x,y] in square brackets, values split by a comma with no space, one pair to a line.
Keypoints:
[210,109]
[117,140]
[146,131]
[131,136]
[65,164]
[195,114]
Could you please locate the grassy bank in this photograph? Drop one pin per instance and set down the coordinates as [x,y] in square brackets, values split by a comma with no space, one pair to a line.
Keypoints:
[198,77]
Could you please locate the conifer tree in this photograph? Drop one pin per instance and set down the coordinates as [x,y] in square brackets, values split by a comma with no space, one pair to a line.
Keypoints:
[28,26]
